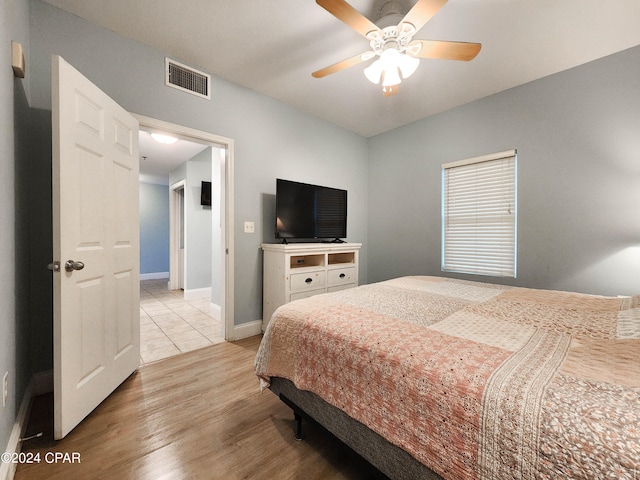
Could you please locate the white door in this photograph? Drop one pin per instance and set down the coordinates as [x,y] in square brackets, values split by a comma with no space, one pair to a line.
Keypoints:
[95,224]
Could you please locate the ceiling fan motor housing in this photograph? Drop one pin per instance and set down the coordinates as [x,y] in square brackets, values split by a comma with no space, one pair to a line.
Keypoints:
[395,36]
[390,14]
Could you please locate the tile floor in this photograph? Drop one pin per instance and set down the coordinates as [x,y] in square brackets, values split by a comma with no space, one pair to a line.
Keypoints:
[170,325]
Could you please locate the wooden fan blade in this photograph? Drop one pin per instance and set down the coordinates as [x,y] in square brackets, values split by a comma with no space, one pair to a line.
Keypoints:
[349,15]
[446,50]
[336,67]
[422,12]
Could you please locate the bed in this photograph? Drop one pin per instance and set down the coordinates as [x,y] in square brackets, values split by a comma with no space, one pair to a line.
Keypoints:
[431,377]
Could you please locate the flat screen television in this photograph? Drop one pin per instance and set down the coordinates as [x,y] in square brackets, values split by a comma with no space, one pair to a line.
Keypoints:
[305,211]
[205,193]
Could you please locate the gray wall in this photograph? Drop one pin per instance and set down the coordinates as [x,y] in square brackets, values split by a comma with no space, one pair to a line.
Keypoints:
[271,139]
[199,223]
[15,121]
[154,228]
[578,139]
[204,264]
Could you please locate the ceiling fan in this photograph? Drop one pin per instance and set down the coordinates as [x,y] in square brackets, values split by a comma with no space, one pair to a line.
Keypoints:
[398,54]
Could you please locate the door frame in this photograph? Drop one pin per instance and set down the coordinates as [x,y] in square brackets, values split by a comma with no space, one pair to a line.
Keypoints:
[190,134]
[176,217]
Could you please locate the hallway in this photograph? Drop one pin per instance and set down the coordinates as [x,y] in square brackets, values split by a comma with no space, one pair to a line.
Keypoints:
[170,325]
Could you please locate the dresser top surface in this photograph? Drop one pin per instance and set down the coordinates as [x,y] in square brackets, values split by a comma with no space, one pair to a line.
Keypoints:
[310,247]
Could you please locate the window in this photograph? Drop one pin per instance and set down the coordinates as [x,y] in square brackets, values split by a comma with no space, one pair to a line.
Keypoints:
[479,215]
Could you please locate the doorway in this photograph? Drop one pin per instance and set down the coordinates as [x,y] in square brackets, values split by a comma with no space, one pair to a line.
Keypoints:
[219,305]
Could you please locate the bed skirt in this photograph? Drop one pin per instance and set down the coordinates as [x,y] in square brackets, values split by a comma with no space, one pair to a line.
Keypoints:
[386,457]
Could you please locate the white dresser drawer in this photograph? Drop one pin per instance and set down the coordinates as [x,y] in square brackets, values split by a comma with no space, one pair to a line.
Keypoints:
[307,294]
[310,280]
[342,276]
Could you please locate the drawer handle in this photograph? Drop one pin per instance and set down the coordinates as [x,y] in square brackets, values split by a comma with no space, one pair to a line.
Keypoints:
[308,280]
[342,275]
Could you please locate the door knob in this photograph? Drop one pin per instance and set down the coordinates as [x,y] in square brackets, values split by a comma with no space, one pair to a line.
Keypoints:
[70,265]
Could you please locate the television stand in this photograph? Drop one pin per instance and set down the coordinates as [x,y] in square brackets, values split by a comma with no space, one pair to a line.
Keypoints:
[299,270]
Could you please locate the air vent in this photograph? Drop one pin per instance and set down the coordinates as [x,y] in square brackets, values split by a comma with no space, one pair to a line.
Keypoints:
[187,79]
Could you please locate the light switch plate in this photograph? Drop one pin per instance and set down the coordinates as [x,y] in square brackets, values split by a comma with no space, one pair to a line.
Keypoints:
[17,59]
[249,227]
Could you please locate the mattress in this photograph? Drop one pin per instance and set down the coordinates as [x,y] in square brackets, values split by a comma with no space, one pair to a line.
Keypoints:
[473,380]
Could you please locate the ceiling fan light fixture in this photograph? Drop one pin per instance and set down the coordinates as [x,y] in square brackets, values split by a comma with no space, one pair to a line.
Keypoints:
[391,68]
[389,58]
[391,39]
[391,77]
[374,72]
[408,65]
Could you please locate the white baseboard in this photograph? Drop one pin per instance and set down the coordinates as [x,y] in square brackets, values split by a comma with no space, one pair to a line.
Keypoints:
[215,311]
[246,330]
[154,276]
[196,293]
[39,384]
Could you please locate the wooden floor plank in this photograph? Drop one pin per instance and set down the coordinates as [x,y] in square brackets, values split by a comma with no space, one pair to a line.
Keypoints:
[199,415]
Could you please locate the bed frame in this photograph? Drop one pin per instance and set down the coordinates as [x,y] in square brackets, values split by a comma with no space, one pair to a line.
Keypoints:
[386,457]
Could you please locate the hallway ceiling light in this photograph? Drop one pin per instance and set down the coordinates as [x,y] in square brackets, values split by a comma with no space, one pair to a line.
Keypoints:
[165,139]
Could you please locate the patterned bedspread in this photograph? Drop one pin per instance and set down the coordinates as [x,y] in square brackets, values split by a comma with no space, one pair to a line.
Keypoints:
[476,381]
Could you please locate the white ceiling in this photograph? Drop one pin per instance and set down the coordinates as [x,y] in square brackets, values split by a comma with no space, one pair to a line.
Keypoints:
[157,159]
[272,46]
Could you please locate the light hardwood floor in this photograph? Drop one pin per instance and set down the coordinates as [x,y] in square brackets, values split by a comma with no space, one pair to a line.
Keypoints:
[199,415]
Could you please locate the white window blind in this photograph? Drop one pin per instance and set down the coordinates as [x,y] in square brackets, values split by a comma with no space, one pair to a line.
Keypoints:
[479,215]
